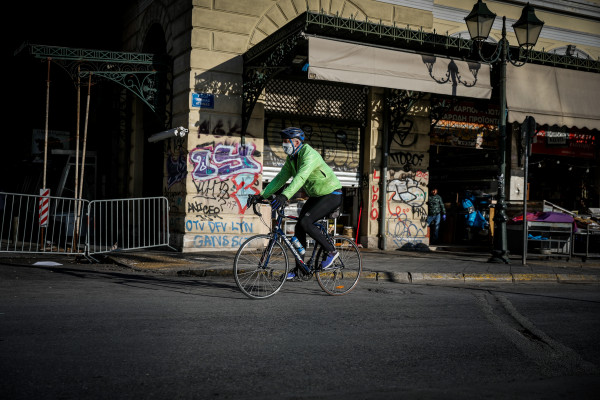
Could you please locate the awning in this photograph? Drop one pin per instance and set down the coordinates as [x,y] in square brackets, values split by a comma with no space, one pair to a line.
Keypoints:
[553,96]
[339,61]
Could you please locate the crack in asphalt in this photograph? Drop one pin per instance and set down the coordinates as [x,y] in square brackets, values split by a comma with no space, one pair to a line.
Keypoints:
[553,357]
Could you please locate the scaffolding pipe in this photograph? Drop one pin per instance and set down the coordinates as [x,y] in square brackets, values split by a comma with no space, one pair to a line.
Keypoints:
[77,133]
[384,168]
[85,129]
[46,126]
[76,216]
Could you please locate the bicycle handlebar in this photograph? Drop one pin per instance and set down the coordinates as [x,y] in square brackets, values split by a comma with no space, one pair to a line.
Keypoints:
[267,201]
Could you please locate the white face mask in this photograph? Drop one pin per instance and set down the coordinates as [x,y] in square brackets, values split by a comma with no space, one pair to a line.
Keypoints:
[288,148]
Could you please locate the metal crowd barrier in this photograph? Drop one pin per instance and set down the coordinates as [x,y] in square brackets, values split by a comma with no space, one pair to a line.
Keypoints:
[42,224]
[127,224]
[46,224]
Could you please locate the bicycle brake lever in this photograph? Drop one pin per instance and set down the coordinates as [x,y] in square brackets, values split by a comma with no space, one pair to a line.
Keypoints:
[255,210]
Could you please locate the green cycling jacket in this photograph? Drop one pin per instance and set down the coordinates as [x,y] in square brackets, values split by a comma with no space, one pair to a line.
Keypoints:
[307,169]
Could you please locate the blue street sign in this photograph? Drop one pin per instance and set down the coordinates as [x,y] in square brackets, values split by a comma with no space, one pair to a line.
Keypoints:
[203,100]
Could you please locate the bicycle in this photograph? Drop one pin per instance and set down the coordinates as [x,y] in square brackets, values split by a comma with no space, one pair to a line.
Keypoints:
[261,263]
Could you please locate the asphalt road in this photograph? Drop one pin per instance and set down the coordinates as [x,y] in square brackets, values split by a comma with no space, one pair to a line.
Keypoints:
[103,331]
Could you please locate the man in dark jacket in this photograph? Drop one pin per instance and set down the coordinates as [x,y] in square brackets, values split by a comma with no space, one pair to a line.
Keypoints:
[436,214]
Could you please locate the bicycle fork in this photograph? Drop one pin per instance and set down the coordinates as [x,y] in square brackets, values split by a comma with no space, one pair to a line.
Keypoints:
[266,254]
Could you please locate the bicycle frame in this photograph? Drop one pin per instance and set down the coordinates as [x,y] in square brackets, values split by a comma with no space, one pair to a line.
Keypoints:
[277,232]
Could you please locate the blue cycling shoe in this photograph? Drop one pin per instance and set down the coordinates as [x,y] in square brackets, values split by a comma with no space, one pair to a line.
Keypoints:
[290,275]
[328,262]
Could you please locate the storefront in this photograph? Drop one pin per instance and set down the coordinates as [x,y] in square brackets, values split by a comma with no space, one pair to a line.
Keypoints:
[463,161]
[563,167]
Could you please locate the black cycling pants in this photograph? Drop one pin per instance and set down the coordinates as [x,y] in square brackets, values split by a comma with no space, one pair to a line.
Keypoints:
[314,209]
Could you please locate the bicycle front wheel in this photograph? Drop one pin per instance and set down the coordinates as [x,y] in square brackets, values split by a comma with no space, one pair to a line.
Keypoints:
[260,267]
[344,276]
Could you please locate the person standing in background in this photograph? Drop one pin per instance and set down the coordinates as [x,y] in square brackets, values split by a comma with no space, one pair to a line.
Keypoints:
[436,214]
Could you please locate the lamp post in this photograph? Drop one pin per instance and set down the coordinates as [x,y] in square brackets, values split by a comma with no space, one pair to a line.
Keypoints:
[527,29]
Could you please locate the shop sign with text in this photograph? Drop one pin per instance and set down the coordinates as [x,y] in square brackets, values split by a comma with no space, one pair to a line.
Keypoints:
[467,125]
[559,142]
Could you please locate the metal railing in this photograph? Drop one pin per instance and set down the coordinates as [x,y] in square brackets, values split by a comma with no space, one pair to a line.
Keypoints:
[36,224]
[127,224]
[46,224]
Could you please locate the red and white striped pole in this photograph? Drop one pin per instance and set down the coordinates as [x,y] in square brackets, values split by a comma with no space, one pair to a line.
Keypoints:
[44,205]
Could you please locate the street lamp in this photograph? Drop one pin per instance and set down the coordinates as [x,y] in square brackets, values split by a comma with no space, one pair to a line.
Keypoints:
[527,29]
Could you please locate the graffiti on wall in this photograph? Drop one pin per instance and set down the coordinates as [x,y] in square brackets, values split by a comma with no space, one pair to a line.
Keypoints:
[176,168]
[402,134]
[408,160]
[405,200]
[223,161]
[219,127]
[211,234]
[224,175]
[406,206]
[374,213]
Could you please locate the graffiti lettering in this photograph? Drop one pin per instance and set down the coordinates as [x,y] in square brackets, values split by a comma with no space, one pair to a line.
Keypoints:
[405,231]
[176,169]
[407,159]
[208,210]
[218,226]
[407,191]
[218,241]
[223,161]
[374,197]
[407,196]
[219,129]
[213,190]
[242,227]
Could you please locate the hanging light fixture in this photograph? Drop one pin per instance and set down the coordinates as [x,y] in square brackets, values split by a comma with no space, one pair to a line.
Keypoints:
[528,28]
[480,21]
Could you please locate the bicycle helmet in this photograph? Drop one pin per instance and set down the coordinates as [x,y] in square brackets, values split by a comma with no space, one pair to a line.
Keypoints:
[293,133]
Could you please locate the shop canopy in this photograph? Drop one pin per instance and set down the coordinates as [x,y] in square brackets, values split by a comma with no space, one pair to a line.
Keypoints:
[553,96]
[358,51]
[368,65]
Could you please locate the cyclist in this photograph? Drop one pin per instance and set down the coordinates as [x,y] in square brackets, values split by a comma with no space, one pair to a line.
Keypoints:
[307,168]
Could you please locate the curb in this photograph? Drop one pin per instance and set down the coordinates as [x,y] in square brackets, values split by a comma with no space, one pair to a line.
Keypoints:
[577,278]
[395,277]
[424,277]
[535,277]
[189,269]
[489,278]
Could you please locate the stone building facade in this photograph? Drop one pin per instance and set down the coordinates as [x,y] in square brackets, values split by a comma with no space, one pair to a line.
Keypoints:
[208,174]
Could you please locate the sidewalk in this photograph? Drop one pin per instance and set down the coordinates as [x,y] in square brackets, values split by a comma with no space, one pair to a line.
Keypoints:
[439,264]
[442,264]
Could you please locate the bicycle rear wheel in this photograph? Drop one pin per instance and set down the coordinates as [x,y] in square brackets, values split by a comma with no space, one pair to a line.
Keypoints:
[344,276]
[260,267]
